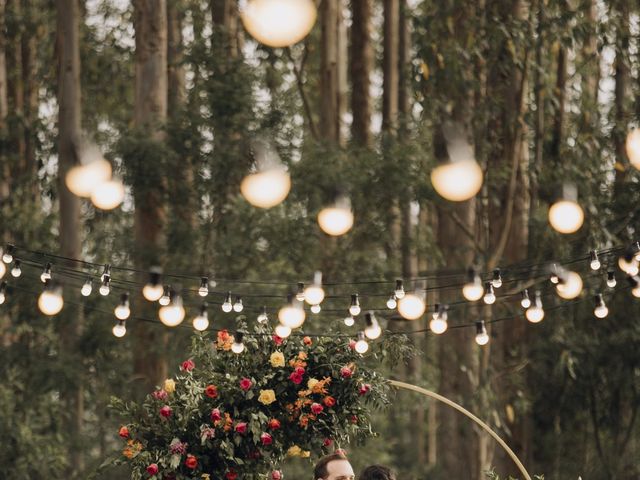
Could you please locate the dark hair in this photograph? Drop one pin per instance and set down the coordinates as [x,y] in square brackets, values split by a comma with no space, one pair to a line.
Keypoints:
[320,470]
[377,472]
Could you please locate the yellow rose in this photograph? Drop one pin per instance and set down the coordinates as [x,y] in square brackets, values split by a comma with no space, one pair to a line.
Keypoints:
[294,451]
[277,359]
[305,454]
[267,397]
[206,476]
[169,385]
[312,383]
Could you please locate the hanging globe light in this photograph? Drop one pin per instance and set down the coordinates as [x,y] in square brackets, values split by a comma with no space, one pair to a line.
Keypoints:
[279,23]
[472,290]
[172,314]
[50,301]
[83,179]
[566,215]
[108,195]
[336,219]
[314,293]
[270,183]
[411,306]
[569,286]
[632,146]
[292,314]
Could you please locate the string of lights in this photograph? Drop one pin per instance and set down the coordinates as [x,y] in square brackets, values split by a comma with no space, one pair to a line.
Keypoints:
[480,289]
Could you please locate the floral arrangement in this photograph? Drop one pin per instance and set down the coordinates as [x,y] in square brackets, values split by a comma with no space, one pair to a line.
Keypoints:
[237,416]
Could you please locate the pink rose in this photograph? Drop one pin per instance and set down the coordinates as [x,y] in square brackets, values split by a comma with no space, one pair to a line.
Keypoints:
[352,344]
[277,340]
[166,411]
[316,408]
[295,378]
[188,365]
[160,395]
[299,371]
[241,428]
[327,442]
[216,415]
[364,389]
[152,469]
[245,384]
[345,372]
[276,475]
[266,439]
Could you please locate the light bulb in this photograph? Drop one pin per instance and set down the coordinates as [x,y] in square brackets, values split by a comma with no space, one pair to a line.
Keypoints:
[122,311]
[16,270]
[279,23]
[349,321]
[489,296]
[595,261]
[315,308]
[263,317]
[569,286]
[292,313]
[3,292]
[354,309]
[227,306]
[237,346]
[50,301]
[566,215]
[392,302]
[601,310]
[3,269]
[525,301]
[635,286]
[165,298]
[108,195]
[267,188]
[632,147]
[153,290]
[87,288]
[535,313]
[361,345]
[106,273]
[611,279]
[203,291]
[482,337]
[44,277]
[238,306]
[635,291]
[173,314]
[411,306]
[105,288]
[7,256]
[119,330]
[300,292]
[628,263]
[337,219]
[497,278]
[282,331]
[438,325]
[399,291]
[372,329]
[457,181]
[314,293]
[82,180]
[472,290]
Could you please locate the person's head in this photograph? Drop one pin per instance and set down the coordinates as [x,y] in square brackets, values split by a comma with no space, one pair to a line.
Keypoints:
[333,467]
[377,472]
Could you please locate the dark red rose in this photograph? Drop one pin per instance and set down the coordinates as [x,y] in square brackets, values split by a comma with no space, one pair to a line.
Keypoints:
[241,428]
[211,391]
[152,469]
[277,340]
[188,365]
[364,389]
[295,378]
[327,442]
[245,384]
[346,372]
[316,408]
[191,462]
[166,411]
[231,475]
[354,419]
[266,439]
[299,371]
[216,415]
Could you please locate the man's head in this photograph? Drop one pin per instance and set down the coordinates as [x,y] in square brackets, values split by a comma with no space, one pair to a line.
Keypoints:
[377,472]
[333,467]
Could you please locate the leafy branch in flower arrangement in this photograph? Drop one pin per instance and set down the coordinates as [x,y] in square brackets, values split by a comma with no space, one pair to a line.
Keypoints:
[229,415]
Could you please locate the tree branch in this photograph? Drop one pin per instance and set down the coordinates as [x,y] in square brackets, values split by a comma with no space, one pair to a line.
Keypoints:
[297,71]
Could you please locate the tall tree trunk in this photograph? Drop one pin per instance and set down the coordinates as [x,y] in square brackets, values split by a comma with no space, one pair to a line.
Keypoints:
[622,70]
[16,90]
[69,134]
[330,18]
[30,82]
[361,65]
[175,57]
[225,17]
[560,94]
[5,170]
[150,22]
[390,62]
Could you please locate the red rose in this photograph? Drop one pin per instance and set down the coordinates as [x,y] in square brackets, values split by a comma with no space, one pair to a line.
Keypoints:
[329,401]
[274,424]
[231,475]
[166,411]
[299,371]
[316,408]
[352,344]
[245,384]
[327,442]
[277,340]
[188,365]
[307,340]
[211,391]
[160,395]
[345,372]
[354,419]
[266,439]
[364,389]
[216,415]
[241,428]
[276,475]
[191,462]
[152,469]
[254,454]
[123,432]
[295,378]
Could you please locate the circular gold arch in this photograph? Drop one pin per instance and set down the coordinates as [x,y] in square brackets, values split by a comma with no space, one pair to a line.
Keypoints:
[485,427]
